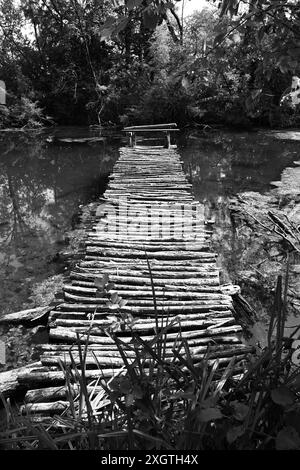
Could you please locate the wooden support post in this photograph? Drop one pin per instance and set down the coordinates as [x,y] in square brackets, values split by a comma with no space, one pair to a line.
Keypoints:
[130,139]
[168,135]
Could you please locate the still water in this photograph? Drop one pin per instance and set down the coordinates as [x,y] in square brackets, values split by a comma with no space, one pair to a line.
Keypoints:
[44,180]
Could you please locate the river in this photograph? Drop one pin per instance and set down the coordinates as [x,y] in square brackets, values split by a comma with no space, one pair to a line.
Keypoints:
[44,179]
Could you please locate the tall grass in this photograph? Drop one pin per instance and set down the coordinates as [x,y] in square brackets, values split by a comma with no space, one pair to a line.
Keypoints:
[160,403]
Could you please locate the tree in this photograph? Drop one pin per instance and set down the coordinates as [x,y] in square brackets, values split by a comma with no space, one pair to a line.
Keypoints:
[276,19]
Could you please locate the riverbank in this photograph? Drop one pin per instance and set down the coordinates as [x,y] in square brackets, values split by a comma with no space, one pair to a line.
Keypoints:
[266,243]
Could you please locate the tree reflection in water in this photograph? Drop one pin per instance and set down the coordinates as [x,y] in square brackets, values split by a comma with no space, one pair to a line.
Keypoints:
[42,185]
[43,181]
[221,165]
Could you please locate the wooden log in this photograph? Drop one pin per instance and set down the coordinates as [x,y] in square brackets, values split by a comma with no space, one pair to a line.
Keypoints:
[93,307]
[153,181]
[171,342]
[68,334]
[37,378]
[162,300]
[48,394]
[120,287]
[146,232]
[55,407]
[175,255]
[25,316]
[188,246]
[158,203]
[163,295]
[138,271]
[141,275]
[211,279]
[107,314]
[117,361]
[96,303]
[185,319]
[110,264]
[112,351]
[9,380]
[135,238]
[203,258]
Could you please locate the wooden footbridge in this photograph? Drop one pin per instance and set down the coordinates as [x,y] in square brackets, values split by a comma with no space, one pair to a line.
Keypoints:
[147,262]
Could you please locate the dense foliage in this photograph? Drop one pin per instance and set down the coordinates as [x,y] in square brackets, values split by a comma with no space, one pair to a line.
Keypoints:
[135,61]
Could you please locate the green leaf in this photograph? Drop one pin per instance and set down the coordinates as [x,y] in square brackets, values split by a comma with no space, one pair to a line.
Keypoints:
[113,318]
[129,399]
[137,392]
[109,23]
[209,414]
[131,4]
[107,28]
[234,433]
[219,38]
[185,83]
[110,286]
[114,326]
[296,354]
[150,19]
[292,418]
[114,396]
[112,306]
[125,386]
[261,33]
[288,439]
[255,93]
[282,396]
[101,282]
[114,298]
[122,23]
[169,5]
[122,303]
[295,382]
[240,410]
[220,52]
[115,3]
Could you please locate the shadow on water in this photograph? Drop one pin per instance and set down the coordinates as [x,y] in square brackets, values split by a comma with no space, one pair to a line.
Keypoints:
[42,185]
[221,165]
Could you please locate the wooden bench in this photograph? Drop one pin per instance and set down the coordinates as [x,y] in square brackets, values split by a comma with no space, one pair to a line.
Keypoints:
[166,129]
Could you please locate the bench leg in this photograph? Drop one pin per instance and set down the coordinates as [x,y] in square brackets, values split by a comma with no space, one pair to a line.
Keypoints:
[168,136]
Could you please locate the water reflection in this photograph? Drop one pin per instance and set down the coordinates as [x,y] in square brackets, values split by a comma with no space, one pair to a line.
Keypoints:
[44,180]
[225,164]
[220,165]
[42,184]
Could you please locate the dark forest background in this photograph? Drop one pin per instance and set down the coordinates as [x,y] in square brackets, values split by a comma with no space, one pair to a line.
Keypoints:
[141,61]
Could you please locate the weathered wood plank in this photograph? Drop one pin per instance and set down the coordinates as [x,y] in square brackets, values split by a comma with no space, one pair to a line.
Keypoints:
[148,217]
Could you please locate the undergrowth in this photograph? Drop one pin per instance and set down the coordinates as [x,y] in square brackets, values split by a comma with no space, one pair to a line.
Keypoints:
[158,402]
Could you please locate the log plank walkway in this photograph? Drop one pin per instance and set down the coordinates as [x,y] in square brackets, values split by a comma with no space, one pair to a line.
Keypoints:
[149,218]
